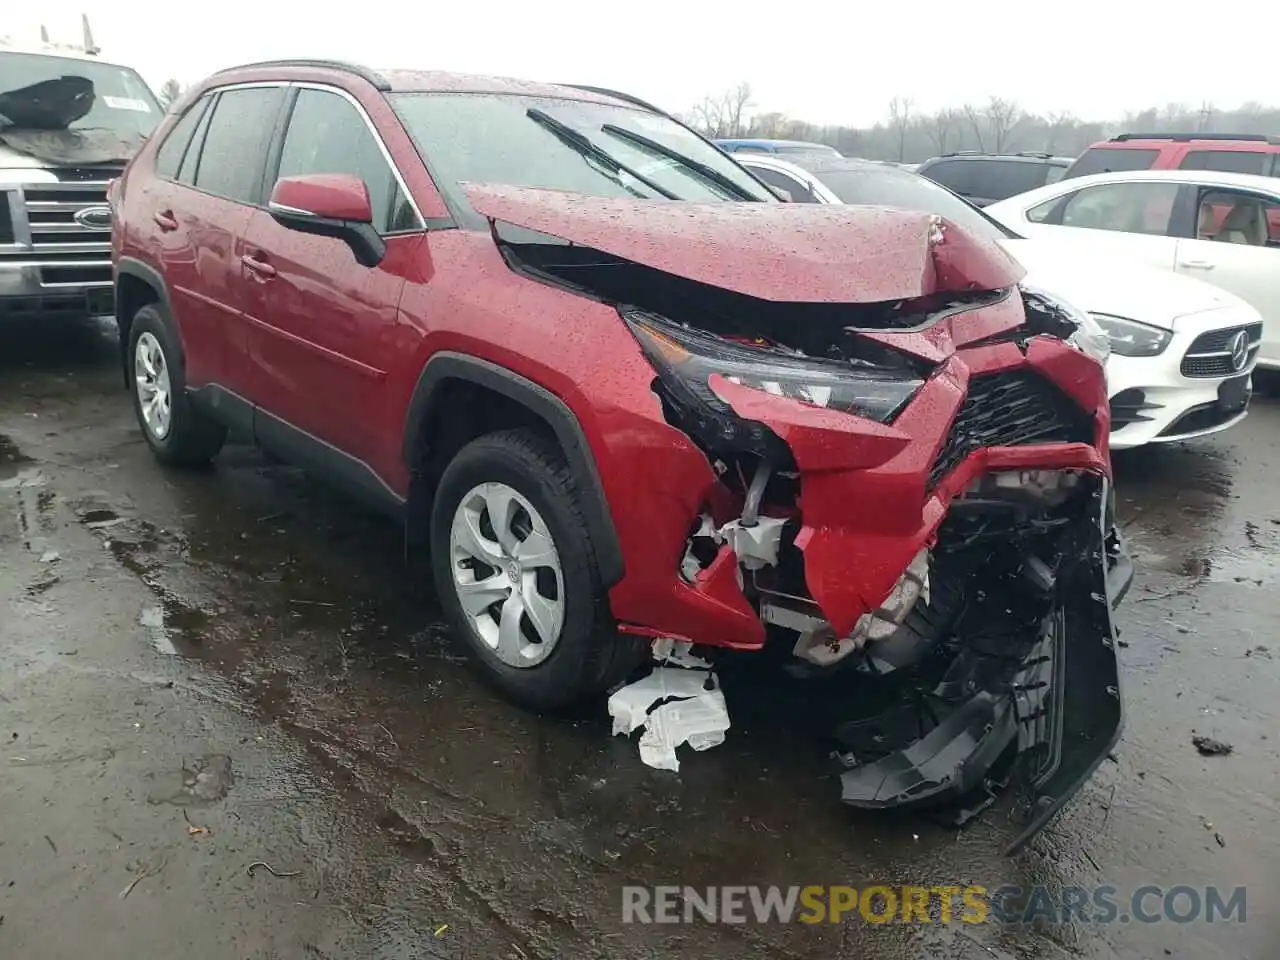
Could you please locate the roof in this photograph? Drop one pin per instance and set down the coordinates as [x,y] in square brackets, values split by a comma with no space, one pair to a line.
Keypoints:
[1028,156]
[50,50]
[766,142]
[1245,181]
[416,81]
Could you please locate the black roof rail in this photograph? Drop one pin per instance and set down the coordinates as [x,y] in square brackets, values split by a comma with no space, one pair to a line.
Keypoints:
[1188,137]
[625,97]
[364,73]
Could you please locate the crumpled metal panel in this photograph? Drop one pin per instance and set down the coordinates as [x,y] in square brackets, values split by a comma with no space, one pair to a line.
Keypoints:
[785,252]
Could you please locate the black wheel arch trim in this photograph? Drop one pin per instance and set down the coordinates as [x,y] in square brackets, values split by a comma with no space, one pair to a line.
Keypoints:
[447,365]
[132,267]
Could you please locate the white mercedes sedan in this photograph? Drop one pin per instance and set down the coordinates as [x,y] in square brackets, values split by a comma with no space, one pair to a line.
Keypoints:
[1223,228]
[1182,351]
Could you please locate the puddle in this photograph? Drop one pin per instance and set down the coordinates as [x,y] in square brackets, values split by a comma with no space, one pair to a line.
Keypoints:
[174,628]
[1254,570]
[203,780]
[11,458]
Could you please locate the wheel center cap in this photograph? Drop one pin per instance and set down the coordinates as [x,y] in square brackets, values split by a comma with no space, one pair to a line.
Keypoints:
[513,570]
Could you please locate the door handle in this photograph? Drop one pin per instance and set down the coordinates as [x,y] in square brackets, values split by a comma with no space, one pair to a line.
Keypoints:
[259,268]
[165,220]
[1197,264]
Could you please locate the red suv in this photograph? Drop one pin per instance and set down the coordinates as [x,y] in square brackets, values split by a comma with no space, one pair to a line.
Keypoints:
[620,392]
[1230,153]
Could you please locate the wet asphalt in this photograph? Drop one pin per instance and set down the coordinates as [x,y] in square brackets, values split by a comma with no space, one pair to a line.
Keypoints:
[200,672]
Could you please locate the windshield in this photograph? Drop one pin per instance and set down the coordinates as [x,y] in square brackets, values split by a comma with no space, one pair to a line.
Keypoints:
[887,186]
[499,139]
[122,103]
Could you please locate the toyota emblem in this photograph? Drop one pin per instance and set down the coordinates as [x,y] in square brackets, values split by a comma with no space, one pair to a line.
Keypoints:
[1239,351]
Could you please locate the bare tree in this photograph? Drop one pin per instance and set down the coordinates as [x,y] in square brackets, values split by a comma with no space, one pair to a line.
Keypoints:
[976,122]
[736,102]
[1204,121]
[170,91]
[707,116]
[941,127]
[900,121]
[1002,116]
[1058,123]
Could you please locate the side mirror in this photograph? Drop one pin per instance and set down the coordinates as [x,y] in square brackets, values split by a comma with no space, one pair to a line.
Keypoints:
[329,205]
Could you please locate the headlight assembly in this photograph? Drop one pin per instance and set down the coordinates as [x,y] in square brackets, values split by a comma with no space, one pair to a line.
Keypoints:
[686,359]
[1087,334]
[1129,338]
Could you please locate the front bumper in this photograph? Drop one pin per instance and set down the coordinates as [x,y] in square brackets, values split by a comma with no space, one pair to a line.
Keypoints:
[1049,728]
[1154,400]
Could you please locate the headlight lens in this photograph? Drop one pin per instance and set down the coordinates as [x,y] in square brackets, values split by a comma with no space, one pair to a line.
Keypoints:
[1089,337]
[686,359]
[1129,338]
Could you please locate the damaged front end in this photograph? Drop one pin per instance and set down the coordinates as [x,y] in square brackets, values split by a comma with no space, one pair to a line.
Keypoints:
[909,499]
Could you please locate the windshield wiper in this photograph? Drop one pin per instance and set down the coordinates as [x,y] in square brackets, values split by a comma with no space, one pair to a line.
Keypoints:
[697,166]
[588,148]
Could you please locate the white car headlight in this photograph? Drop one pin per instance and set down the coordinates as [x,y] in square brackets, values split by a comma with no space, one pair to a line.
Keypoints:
[1089,338]
[1129,338]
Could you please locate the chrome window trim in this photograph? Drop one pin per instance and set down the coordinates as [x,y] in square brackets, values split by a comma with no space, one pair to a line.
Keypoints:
[377,138]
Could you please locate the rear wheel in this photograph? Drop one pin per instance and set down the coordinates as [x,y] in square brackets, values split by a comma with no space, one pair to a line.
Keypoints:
[175,430]
[517,575]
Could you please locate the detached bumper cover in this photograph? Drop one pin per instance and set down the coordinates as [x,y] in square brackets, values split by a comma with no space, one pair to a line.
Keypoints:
[1061,714]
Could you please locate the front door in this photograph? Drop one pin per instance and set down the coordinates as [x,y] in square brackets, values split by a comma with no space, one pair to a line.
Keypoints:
[1237,247]
[324,329]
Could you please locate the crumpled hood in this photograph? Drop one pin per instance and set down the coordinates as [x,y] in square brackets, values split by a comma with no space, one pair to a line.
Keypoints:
[774,251]
[1135,291]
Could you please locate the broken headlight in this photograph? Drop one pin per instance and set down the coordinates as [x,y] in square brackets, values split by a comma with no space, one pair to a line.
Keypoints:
[686,359]
[1087,336]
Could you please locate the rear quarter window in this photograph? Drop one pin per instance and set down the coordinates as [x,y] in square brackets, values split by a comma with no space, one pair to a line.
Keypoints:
[1231,161]
[1111,160]
[169,156]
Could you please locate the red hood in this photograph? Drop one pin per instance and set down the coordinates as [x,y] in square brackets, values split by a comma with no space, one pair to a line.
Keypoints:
[798,252]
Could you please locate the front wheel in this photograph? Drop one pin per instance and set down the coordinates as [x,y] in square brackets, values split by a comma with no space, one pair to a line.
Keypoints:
[516,573]
[175,430]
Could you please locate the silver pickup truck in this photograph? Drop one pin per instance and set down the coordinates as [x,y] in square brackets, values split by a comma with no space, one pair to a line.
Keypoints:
[68,124]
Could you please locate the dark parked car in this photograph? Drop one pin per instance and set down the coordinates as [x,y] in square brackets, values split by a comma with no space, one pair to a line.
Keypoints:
[612,414]
[986,178]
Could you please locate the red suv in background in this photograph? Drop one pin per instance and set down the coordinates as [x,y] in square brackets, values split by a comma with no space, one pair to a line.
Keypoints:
[1230,153]
[620,392]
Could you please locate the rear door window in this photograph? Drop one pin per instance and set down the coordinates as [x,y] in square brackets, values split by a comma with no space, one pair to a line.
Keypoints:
[1230,161]
[1123,207]
[1111,160]
[235,145]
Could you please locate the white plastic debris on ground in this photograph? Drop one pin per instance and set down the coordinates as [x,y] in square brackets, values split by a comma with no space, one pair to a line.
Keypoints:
[694,710]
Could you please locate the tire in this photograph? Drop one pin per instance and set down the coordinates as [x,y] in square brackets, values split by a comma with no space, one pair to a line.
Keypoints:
[514,471]
[180,434]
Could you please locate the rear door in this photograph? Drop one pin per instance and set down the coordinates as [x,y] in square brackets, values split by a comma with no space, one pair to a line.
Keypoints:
[324,329]
[1127,219]
[200,220]
[1244,262]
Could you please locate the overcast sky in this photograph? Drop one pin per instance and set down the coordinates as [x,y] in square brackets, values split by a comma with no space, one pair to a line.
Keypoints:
[829,62]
